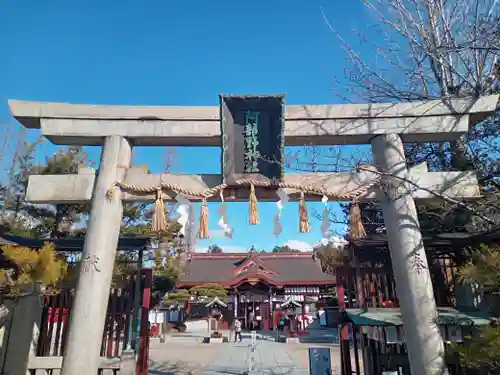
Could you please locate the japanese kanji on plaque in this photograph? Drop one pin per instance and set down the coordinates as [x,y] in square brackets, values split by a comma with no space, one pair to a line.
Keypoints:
[252,137]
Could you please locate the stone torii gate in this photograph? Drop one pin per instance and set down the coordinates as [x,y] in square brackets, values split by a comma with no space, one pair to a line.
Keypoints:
[385,126]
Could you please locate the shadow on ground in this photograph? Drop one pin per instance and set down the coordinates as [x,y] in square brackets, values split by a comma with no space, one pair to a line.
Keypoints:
[172,368]
[183,368]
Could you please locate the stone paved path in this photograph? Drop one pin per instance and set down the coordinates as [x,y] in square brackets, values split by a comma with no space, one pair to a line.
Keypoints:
[270,358]
[182,358]
[194,358]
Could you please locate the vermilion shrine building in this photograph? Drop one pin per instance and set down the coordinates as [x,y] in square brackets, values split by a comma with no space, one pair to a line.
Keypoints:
[260,283]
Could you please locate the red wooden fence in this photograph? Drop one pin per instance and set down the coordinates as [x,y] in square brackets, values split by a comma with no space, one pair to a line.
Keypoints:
[57,310]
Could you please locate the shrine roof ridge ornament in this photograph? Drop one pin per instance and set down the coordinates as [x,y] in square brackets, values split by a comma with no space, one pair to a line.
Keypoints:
[81,124]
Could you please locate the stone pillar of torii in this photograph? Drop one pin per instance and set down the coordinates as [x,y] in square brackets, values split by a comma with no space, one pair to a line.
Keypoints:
[385,126]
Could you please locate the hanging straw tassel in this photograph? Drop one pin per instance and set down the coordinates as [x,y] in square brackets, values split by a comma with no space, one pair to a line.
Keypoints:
[203,230]
[304,226]
[159,221]
[254,211]
[356,228]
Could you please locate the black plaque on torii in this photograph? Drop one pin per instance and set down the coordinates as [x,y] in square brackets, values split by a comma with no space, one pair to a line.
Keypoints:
[252,130]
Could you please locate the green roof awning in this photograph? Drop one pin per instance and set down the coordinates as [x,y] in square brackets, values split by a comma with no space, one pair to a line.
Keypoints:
[380,317]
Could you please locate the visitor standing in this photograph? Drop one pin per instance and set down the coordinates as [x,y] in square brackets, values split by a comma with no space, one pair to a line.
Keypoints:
[251,322]
[237,330]
[282,323]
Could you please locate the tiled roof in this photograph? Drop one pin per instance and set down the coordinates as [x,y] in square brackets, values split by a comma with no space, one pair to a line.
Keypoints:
[73,243]
[276,268]
[65,244]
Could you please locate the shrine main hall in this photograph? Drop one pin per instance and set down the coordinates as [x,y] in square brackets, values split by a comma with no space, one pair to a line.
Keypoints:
[260,283]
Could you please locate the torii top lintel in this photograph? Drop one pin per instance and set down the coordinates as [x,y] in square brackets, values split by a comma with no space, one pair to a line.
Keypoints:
[81,124]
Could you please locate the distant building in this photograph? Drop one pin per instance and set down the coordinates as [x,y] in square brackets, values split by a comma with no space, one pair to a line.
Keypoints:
[259,283]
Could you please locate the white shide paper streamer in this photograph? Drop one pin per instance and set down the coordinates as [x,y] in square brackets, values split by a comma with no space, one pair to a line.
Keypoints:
[283,199]
[325,224]
[187,220]
[223,222]
[183,211]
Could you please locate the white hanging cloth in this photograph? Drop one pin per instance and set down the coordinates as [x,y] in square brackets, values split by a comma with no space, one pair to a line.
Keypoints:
[192,230]
[223,222]
[183,211]
[187,220]
[278,228]
[325,223]
[283,199]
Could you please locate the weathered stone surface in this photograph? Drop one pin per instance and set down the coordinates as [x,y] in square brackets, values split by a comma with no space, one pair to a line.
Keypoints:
[29,113]
[78,188]
[74,188]
[83,345]
[409,262]
[270,358]
[74,124]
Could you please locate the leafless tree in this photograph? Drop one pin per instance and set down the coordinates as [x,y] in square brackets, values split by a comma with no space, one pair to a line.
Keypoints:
[433,49]
[424,50]
[428,49]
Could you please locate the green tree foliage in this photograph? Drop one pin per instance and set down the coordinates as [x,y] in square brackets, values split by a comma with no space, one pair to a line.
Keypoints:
[67,220]
[124,268]
[209,291]
[284,249]
[481,352]
[31,267]
[167,268]
[214,249]
[43,221]
[484,269]
[331,258]
[13,191]
[201,293]
[176,298]
[30,271]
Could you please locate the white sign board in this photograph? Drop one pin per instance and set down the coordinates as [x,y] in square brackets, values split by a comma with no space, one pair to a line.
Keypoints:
[156,316]
[320,361]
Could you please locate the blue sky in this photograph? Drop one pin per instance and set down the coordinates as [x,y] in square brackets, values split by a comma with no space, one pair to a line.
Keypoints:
[163,52]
